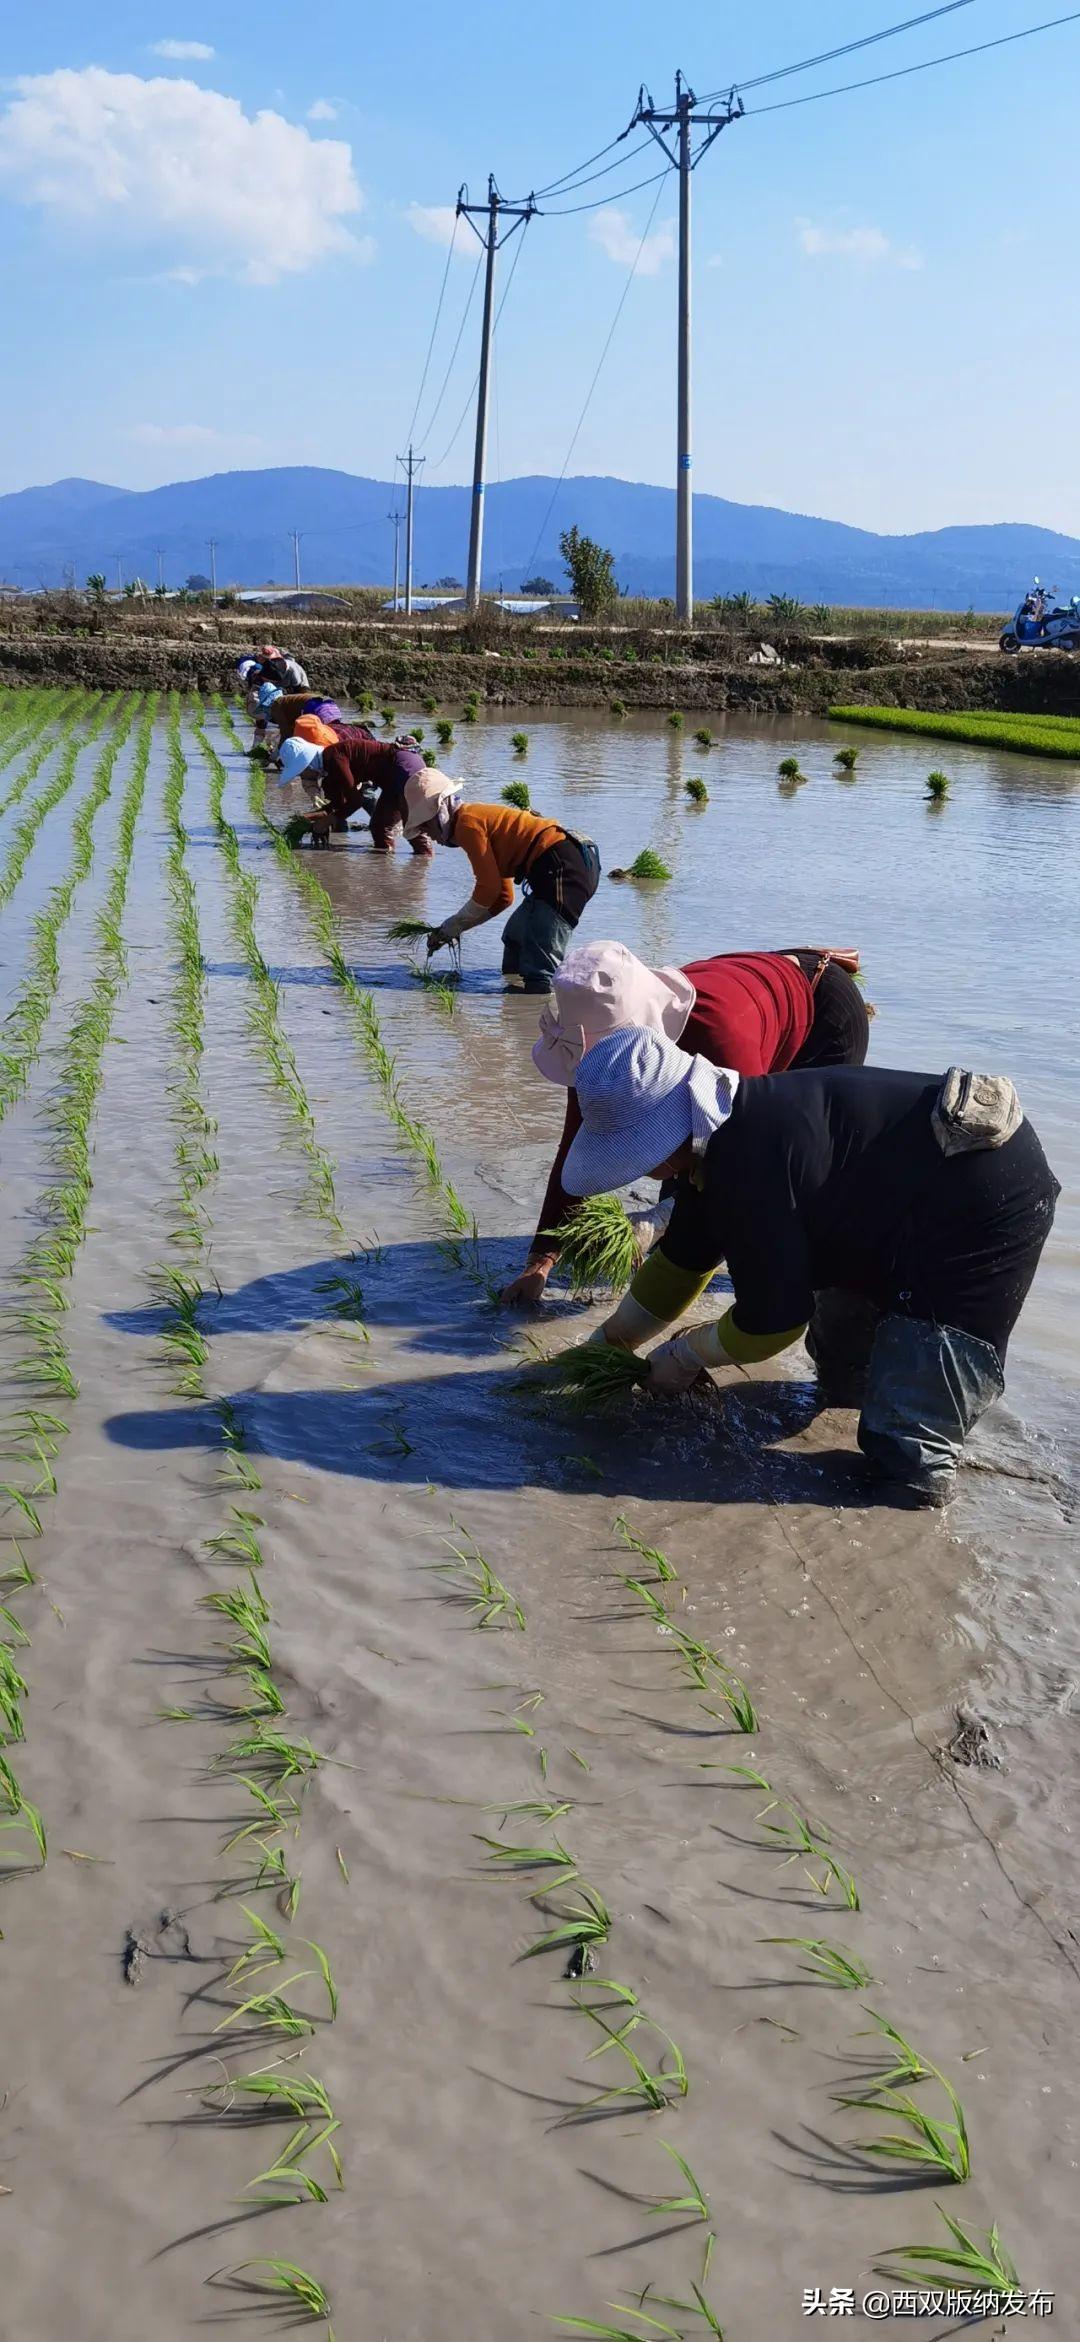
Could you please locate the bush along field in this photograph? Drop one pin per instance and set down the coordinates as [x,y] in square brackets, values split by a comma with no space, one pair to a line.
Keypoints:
[330,1600]
[1029,735]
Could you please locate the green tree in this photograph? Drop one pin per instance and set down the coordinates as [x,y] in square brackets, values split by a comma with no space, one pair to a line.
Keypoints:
[591,571]
[95,585]
[784,607]
[538,585]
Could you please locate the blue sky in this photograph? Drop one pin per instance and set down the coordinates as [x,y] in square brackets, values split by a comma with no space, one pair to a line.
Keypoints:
[225,260]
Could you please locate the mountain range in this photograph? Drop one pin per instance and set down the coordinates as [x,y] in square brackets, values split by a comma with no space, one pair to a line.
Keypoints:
[74,527]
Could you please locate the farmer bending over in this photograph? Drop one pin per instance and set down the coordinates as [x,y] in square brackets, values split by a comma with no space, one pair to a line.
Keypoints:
[557,871]
[269,665]
[760,1012]
[350,772]
[919,1203]
[287,708]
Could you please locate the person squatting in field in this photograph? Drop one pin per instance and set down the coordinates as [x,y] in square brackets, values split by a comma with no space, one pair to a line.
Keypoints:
[269,665]
[557,871]
[349,772]
[896,1219]
[760,1012]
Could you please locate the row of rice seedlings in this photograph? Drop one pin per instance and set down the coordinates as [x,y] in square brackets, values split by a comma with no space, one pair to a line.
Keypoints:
[22,1028]
[42,715]
[34,1437]
[261,1745]
[464,1236]
[26,828]
[264,1007]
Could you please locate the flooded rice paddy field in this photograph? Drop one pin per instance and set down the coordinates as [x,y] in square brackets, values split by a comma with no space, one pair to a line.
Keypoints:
[256,1393]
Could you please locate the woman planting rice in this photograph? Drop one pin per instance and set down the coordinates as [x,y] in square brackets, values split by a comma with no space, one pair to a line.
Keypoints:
[269,665]
[288,709]
[896,1218]
[557,871]
[760,1012]
[353,772]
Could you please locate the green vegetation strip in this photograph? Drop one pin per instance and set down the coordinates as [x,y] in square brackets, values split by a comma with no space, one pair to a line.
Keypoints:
[51,723]
[31,1440]
[27,827]
[1057,736]
[22,1028]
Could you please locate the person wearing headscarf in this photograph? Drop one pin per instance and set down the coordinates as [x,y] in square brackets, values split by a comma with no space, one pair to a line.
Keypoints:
[354,772]
[761,1012]
[557,871]
[286,708]
[269,665]
[924,1198]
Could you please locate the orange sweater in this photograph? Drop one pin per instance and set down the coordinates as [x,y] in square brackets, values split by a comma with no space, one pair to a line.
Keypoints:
[502,843]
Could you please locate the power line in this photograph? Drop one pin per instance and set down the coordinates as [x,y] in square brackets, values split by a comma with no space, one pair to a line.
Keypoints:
[1004,41]
[554,184]
[434,331]
[581,178]
[613,196]
[457,345]
[579,425]
[826,56]
[437,466]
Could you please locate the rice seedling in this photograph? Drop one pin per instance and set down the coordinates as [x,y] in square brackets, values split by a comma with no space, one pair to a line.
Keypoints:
[287,2176]
[470,712]
[445,731]
[299,2289]
[676,720]
[646,866]
[938,786]
[430,706]
[938,2145]
[520,1859]
[649,2089]
[417,734]
[472,699]
[365,703]
[270,2012]
[987,2264]
[617,707]
[789,769]
[909,2065]
[847,759]
[584,1922]
[326,1973]
[595,1378]
[295,830]
[430,757]
[342,1864]
[16,1811]
[389,715]
[270,2093]
[482,1593]
[827,1962]
[519,742]
[517,793]
[408,930]
[694,2202]
[652,1553]
[598,1246]
[265,1950]
[696,790]
[703,736]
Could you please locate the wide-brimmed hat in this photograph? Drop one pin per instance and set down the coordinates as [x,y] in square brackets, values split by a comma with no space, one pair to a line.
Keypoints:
[641,1098]
[600,987]
[428,794]
[267,693]
[296,756]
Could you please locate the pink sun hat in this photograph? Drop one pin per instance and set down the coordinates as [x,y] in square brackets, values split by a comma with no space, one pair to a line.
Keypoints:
[599,988]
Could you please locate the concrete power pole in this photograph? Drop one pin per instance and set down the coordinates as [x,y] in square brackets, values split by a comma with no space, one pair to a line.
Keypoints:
[212,542]
[395,518]
[160,558]
[491,211]
[682,119]
[411,465]
[296,535]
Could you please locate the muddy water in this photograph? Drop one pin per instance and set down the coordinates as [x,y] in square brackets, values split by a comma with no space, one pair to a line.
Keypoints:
[483,2195]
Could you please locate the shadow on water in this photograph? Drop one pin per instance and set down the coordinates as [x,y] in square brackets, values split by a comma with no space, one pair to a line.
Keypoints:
[374,976]
[496,1430]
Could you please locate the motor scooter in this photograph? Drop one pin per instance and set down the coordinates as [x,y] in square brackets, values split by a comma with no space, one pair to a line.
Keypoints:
[1037,626]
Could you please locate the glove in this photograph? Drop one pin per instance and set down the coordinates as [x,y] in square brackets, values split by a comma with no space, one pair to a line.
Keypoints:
[649,1226]
[675,1366]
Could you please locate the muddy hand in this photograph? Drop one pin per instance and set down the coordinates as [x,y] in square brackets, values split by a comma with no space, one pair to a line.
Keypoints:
[528,1289]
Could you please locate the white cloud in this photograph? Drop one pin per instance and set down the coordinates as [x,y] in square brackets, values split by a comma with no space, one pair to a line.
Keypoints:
[616,235]
[322,111]
[436,222]
[865,245]
[165,167]
[181,52]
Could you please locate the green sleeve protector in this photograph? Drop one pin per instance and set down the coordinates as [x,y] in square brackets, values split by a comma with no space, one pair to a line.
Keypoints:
[665,1291]
[724,1344]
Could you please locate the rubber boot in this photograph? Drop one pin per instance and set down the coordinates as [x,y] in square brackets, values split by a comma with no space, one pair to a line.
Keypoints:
[840,1337]
[926,1387]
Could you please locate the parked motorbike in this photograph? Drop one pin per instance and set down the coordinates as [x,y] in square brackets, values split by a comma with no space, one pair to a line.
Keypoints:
[1038,624]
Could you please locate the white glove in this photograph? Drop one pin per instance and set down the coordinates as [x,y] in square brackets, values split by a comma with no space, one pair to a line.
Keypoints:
[675,1366]
[649,1226]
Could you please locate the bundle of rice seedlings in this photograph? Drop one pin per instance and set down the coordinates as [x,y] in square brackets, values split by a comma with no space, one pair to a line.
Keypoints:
[407,930]
[429,756]
[417,733]
[937,787]
[697,791]
[295,830]
[598,1246]
[703,736]
[596,1378]
[847,758]
[445,730]
[517,793]
[647,865]
[618,707]
[676,720]
[789,769]
[519,742]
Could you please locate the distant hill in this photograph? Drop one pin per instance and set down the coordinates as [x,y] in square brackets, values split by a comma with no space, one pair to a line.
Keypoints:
[81,525]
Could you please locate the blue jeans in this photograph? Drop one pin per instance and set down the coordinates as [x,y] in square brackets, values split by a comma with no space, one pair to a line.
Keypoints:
[536,939]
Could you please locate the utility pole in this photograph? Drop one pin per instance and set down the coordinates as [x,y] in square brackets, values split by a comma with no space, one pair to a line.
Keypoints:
[212,541]
[119,574]
[411,465]
[296,535]
[161,565]
[683,120]
[395,517]
[492,211]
